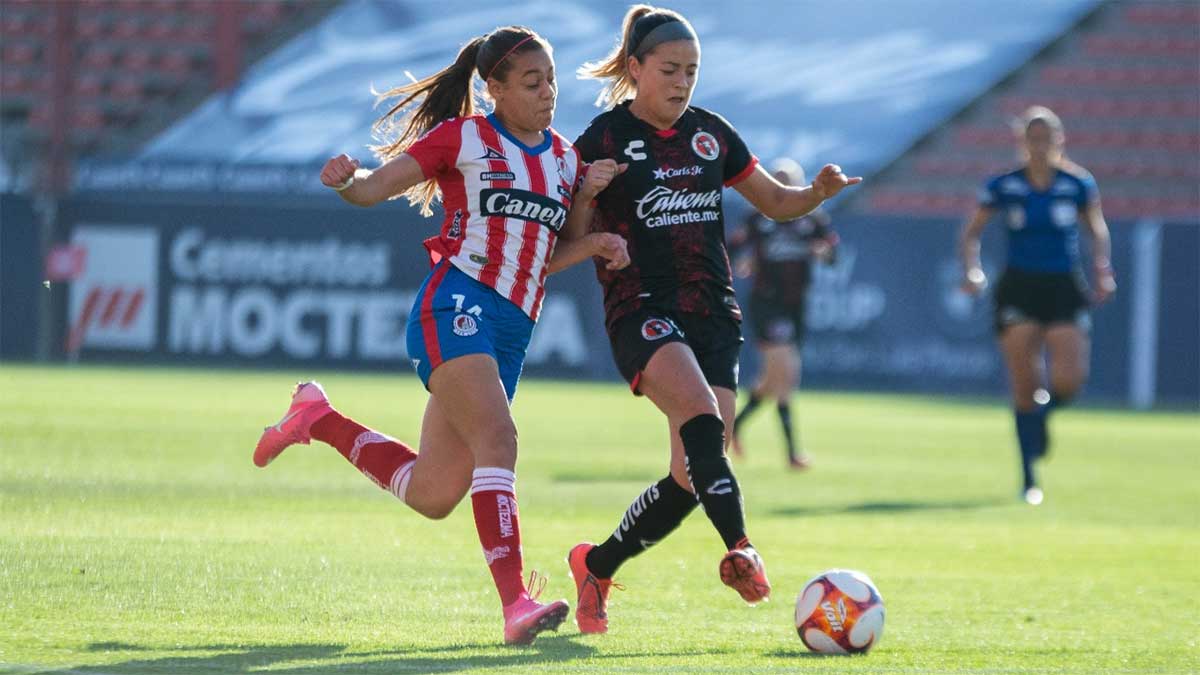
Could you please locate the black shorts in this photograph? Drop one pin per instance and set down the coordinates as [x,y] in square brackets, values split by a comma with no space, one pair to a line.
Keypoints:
[715,340]
[1039,297]
[777,323]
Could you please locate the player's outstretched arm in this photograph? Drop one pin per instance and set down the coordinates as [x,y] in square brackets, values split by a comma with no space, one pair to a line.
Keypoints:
[974,280]
[364,187]
[1105,284]
[785,202]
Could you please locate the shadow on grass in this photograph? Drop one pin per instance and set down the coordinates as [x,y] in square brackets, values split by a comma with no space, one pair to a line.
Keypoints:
[334,658]
[890,507]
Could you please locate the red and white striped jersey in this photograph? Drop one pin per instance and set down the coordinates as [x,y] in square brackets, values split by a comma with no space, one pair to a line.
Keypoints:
[505,202]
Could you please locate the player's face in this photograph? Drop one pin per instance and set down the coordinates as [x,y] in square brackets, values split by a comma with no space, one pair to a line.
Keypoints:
[666,77]
[526,97]
[1041,143]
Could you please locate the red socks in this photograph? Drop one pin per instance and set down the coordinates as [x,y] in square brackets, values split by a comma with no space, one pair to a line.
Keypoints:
[389,464]
[386,461]
[493,498]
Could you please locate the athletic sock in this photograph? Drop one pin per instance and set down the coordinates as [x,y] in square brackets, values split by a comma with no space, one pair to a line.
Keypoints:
[747,410]
[1030,437]
[385,461]
[494,501]
[648,520]
[712,478]
[785,419]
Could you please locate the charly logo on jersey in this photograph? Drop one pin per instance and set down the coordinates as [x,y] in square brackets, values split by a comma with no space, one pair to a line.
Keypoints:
[666,172]
[656,208]
[633,150]
[523,205]
[656,329]
[456,225]
[705,145]
[464,325]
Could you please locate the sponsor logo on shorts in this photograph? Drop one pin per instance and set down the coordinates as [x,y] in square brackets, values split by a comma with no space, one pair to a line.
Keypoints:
[656,329]
[705,145]
[465,325]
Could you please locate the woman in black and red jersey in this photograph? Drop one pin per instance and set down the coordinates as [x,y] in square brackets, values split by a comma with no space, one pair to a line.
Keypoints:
[671,315]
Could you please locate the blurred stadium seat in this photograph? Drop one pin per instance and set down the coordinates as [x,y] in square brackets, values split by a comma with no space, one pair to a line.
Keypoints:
[123,51]
[1126,82]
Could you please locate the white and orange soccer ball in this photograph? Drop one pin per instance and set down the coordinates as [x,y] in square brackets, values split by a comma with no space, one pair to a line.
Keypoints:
[839,612]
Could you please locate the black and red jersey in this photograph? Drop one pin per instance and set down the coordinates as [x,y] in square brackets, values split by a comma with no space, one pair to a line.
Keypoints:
[782,253]
[667,206]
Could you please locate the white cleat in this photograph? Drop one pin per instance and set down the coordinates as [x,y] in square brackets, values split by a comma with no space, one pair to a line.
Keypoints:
[1034,496]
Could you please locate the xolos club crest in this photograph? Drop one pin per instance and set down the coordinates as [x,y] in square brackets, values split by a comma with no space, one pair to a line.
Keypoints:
[656,329]
[705,145]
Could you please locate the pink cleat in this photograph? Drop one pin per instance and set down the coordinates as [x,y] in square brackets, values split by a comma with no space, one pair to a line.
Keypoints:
[309,404]
[526,617]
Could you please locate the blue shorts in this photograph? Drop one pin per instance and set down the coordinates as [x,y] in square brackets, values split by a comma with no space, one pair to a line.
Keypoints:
[454,315]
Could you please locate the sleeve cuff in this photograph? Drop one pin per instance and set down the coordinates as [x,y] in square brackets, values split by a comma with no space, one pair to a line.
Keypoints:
[744,173]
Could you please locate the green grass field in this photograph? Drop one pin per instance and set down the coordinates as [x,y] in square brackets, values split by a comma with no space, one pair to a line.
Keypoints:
[137,537]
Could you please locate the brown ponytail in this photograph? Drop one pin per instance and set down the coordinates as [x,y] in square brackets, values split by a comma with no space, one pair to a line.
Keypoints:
[449,93]
[639,20]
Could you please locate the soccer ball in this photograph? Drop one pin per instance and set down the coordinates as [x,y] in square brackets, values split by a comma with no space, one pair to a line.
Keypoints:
[839,612]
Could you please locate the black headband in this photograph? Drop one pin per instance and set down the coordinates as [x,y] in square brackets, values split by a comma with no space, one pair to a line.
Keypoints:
[673,29]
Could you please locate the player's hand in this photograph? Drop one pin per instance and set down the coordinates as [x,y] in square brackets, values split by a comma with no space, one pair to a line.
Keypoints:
[611,247]
[974,281]
[599,174]
[1106,285]
[338,171]
[831,180]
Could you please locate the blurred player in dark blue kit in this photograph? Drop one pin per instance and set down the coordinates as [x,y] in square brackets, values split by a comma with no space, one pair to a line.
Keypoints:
[672,319]
[780,256]
[1042,298]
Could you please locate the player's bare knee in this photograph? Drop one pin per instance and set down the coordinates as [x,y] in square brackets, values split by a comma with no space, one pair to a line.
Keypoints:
[437,510]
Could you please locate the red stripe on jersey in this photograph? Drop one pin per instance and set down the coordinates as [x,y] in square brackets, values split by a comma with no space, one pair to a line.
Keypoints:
[559,152]
[529,236]
[496,225]
[744,173]
[428,324]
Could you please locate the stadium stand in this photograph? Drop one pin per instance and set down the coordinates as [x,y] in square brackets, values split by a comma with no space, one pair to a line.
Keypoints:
[133,66]
[1126,82]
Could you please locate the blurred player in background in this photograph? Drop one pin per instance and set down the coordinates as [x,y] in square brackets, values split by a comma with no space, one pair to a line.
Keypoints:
[507,182]
[671,315]
[780,256]
[1042,297]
